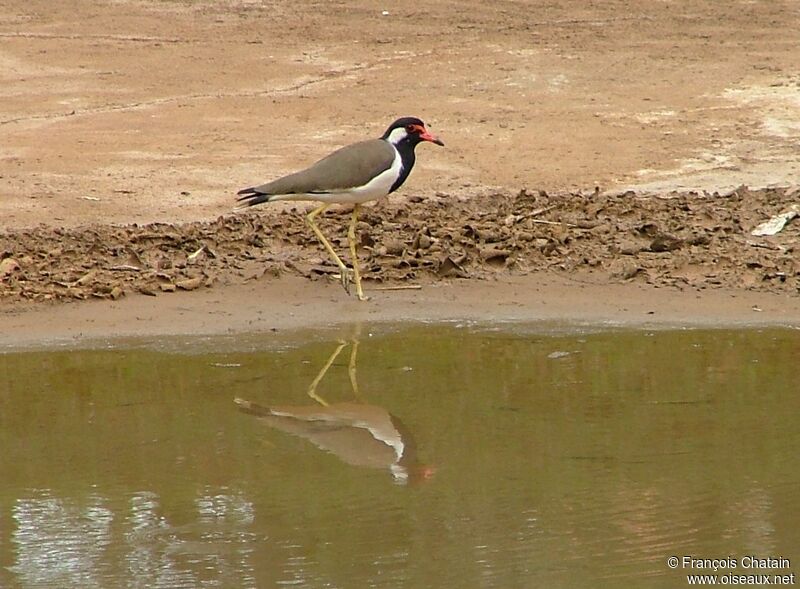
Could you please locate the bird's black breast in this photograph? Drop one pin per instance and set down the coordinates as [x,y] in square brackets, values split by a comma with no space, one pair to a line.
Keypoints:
[407,158]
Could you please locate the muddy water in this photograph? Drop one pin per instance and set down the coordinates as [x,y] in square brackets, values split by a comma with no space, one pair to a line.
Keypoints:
[505,458]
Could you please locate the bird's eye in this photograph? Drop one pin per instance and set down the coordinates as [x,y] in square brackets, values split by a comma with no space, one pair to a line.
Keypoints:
[411,129]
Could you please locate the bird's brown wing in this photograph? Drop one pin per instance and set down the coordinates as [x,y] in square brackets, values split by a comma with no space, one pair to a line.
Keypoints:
[349,167]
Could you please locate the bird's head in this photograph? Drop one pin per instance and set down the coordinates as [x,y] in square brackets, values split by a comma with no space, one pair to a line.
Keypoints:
[409,130]
[414,474]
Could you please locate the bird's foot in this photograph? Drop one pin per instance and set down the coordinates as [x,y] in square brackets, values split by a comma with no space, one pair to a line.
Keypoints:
[346,278]
[359,291]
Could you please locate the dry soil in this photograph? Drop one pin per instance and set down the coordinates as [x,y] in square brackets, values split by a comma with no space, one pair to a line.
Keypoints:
[608,144]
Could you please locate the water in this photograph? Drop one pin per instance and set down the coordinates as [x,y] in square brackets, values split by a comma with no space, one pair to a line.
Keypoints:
[529,459]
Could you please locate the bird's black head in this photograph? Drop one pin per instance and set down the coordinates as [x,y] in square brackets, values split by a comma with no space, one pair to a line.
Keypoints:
[409,130]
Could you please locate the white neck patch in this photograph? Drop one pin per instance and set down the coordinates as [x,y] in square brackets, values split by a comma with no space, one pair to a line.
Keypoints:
[397,135]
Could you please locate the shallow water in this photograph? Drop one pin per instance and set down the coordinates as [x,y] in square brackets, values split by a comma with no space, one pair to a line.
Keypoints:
[528,459]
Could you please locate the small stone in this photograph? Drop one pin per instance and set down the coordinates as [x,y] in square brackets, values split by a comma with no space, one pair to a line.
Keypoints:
[7,267]
[190,283]
[665,243]
[394,247]
[630,248]
[623,269]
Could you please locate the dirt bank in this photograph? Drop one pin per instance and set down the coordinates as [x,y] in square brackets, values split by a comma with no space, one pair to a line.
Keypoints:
[621,260]
[127,126]
[693,241]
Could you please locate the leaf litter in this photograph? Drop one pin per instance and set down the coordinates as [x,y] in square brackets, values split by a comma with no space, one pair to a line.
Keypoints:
[687,240]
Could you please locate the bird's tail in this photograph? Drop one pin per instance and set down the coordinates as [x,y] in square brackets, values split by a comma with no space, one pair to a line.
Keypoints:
[252,408]
[249,197]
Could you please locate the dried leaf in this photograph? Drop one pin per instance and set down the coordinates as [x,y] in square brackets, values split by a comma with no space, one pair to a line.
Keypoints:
[450,268]
[134,260]
[776,224]
[86,278]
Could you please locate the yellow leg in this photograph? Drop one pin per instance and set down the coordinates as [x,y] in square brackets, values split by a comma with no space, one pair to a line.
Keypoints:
[351,237]
[351,370]
[312,390]
[343,270]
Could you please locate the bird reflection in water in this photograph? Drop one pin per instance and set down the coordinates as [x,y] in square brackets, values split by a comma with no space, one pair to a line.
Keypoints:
[357,433]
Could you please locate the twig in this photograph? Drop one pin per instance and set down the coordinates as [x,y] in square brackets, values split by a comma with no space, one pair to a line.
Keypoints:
[541,211]
[126,268]
[766,246]
[543,222]
[399,287]
[191,257]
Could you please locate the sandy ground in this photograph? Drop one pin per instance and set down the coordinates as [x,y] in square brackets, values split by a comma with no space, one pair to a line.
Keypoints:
[120,112]
[551,301]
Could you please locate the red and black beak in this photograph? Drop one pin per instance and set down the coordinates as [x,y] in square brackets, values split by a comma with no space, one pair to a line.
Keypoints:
[426,135]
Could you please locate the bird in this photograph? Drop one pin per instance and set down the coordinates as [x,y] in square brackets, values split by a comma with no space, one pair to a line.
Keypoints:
[358,433]
[354,174]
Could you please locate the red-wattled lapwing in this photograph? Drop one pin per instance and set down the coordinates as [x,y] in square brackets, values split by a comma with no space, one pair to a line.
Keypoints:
[354,174]
[358,434]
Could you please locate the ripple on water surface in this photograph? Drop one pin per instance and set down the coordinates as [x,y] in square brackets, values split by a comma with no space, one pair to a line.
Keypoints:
[406,457]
